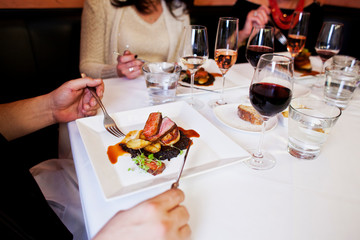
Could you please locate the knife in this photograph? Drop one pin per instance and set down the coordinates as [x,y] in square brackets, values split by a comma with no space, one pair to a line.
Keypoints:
[176,183]
[209,90]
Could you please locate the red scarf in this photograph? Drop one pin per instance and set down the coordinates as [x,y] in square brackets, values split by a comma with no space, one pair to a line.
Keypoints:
[283,20]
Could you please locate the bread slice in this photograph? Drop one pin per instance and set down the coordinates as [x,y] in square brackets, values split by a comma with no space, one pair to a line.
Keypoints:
[249,114]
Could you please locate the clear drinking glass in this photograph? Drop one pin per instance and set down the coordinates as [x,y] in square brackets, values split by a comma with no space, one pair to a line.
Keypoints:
[194,53]
[226,46]
[340,85]
[270,93]
[310,123]
[297,33]
[261,40]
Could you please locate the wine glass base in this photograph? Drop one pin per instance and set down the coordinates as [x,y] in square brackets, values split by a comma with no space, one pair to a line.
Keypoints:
[220,102]
[217,102]
[320,81]
[196,104]
[267,161]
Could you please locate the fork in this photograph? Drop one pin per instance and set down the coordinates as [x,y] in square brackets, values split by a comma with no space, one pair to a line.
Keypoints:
[278,34]
[109,123]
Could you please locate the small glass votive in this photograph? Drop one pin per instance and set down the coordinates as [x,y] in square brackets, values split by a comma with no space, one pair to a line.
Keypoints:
[310,122]
[340,84]
[161,81]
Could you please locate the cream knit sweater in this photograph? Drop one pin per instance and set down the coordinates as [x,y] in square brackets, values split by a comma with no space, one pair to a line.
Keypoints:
[99,37]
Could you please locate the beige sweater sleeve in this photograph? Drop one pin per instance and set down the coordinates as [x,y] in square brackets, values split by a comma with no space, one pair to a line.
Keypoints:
[97,18]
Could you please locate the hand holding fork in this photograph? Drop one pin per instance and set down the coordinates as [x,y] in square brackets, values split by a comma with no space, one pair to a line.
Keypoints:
[109,123]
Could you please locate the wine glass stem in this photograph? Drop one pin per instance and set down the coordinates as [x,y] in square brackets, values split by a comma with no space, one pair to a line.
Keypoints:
[319,82]
[322,67]
[258,153]
[192,80]
[222,88]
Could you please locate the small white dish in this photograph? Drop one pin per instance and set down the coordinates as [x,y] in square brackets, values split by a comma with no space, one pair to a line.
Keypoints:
[227,114]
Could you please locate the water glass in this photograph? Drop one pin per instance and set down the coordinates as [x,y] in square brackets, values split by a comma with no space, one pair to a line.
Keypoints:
[161,81]
[310,122]
[344,61]
[340,84]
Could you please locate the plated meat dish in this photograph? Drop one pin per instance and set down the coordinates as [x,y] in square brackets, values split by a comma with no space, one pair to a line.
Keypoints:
[201,78]
[160,139]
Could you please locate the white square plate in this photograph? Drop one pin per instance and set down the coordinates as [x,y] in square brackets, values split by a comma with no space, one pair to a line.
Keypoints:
[213,149]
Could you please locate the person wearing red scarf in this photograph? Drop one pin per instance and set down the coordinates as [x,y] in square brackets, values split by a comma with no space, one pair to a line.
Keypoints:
[279,12]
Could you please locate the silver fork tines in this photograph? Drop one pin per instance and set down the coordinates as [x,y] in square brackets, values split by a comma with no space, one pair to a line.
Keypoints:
[278,34]
[109,123]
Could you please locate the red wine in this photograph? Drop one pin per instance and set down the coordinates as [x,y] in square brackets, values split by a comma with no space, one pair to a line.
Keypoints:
[326,54]
[254,52]
[269,98]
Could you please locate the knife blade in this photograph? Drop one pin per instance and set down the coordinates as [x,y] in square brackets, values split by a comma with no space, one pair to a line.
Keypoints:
[209,90]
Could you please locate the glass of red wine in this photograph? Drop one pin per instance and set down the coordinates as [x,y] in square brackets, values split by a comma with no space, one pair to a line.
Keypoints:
[270,93]
[261,40]
[226,46]
[329,41]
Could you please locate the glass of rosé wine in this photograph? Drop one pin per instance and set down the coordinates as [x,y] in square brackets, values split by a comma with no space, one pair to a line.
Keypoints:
[194,52]
[297,33]
[261,40]
[328,42]
[270,93]
[226,47]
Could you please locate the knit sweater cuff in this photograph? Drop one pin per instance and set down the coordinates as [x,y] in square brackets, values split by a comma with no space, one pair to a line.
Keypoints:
[109,71]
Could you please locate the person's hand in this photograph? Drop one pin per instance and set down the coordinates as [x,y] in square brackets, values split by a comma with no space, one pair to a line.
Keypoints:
[158,218]
[128,66]
[73,100]
[259,17]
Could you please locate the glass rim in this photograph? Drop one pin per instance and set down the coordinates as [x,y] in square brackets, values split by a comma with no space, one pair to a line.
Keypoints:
[229,18]
[318,101]
[196,26]
[177,68]
[276,55]
[348,70]
[266,27]
[333,23]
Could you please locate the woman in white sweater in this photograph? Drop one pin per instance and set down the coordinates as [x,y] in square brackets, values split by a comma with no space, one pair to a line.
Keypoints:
[148,29]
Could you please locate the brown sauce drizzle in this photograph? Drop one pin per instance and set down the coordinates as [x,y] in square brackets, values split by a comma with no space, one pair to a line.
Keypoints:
[216,74]
[115,151]
[189,133]
[312,73]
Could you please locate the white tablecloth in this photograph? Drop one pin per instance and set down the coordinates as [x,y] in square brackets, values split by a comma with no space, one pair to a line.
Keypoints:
[297,199]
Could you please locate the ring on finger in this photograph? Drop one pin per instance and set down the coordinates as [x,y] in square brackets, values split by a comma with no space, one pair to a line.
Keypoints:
[255,13]
[131,69]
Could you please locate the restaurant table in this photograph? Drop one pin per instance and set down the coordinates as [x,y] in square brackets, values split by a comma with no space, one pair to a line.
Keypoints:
[297,199]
